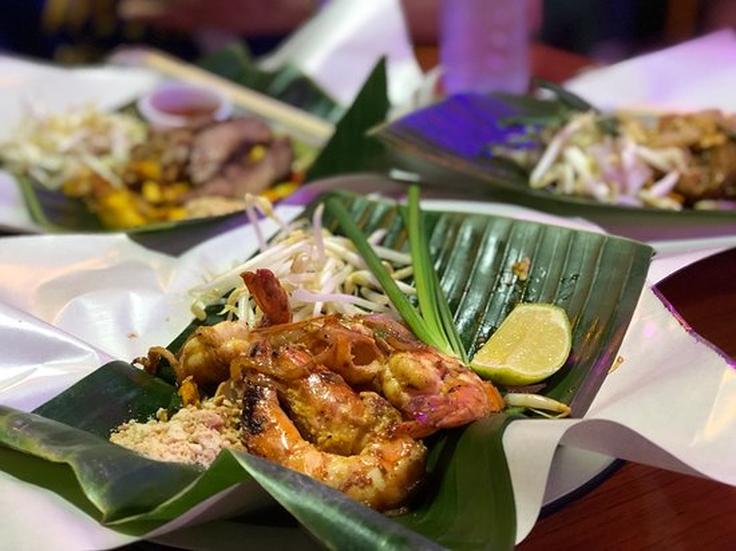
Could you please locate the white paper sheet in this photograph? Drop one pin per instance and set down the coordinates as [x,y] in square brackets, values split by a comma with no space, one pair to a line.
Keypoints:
[697,74]
[25,84]
[341,44]
[669,404]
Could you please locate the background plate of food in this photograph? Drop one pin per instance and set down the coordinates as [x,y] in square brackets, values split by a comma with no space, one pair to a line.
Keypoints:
[649,176]
[178,152]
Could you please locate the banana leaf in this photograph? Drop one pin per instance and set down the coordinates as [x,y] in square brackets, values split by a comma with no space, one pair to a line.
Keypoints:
[455,138]
[467,500]
[351,149]
[234,62]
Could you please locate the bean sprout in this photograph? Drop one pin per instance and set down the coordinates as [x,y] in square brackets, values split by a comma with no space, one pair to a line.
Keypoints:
[538,403]
[322,273]
[581,159]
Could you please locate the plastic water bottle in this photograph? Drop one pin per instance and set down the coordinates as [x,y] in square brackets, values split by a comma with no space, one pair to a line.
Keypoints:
[484,45]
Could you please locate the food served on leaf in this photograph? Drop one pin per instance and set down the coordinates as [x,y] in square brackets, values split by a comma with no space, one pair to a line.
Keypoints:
[670,160]
[482,268]
[132,174]
[314,370]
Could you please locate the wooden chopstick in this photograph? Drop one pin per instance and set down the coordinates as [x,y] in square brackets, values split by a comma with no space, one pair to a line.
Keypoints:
[306,126]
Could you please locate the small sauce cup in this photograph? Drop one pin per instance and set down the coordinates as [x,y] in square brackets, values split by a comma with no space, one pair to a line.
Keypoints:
[177,105]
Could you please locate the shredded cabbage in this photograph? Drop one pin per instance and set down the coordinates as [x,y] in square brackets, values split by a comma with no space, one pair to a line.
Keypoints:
[54,148]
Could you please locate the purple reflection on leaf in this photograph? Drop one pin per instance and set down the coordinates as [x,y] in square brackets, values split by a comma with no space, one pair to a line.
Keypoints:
[465,124]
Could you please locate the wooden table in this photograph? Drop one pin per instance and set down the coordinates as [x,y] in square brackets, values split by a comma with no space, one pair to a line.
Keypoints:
[642,507]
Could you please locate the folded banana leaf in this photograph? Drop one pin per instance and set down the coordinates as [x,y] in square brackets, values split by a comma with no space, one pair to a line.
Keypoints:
[348,149]
[596,278]
[467,500]
[456,136]
[351,148]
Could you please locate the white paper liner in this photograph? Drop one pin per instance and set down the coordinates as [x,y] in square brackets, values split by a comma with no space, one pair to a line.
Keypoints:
[692,75]
[669,404]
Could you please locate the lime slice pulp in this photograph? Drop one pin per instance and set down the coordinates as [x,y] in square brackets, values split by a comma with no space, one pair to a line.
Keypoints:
[530,345]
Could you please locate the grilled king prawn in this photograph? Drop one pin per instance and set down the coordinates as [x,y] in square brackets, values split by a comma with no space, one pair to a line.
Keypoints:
[343,399]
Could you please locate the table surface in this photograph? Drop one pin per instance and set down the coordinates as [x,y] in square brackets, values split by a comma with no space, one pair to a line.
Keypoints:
[641,507]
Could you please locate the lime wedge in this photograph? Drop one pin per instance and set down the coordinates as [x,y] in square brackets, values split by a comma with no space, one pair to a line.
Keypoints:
[531,344]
